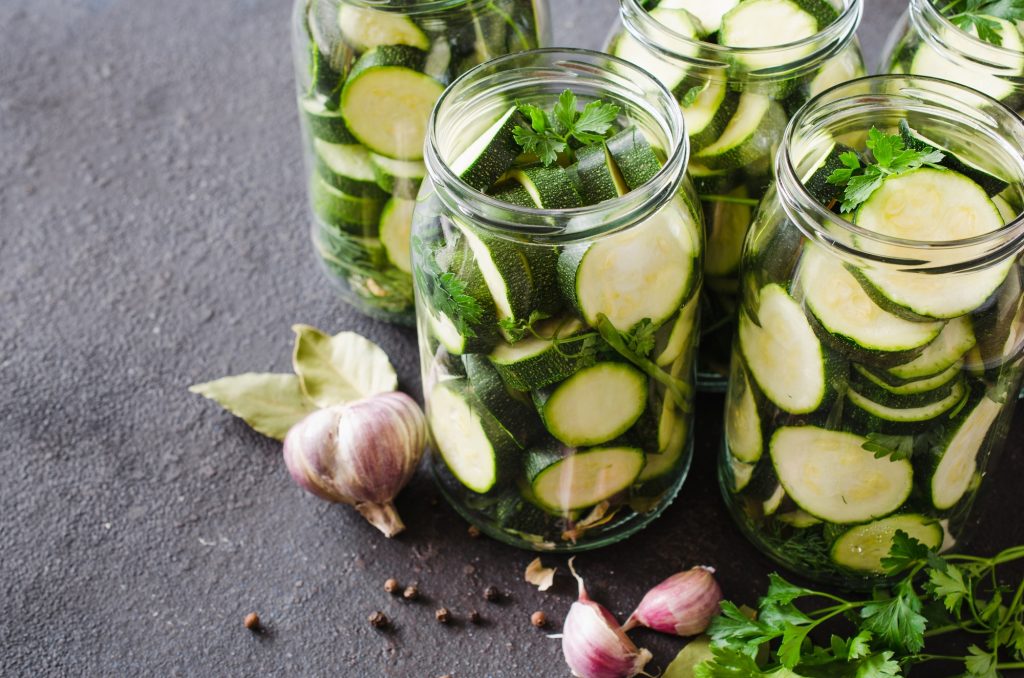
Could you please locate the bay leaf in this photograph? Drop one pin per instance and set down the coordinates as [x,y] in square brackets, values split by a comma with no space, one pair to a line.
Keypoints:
[696,652]
[340,369]
[270,403]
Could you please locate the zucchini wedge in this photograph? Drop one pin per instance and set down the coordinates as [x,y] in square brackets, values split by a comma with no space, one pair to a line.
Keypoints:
[863,547]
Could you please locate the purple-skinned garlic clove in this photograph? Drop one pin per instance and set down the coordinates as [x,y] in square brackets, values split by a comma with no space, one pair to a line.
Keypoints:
[682,605]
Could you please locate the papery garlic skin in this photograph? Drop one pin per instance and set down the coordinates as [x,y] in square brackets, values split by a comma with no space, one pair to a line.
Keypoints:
[593,644]
[361,454]
[682,605]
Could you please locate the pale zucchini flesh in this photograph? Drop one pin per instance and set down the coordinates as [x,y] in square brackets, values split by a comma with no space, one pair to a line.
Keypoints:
[862,548]
[956,469]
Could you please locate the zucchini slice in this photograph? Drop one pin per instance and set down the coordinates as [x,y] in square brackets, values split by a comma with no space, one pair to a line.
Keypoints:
[595,405]
[353,214]
[679,337]
[668,456]
[915,140]
[901,387]
[401,178]
[325,123]
[837,70]
[387,101]
[727,229]
[395,228]
[598,176]
[955,340]
[564,480]
[928,61]
[743,434]
[708,12]
[767,23]
[953,467]
[709,114]
[548,187]
[634,157]
[846,311]
[539,361]
[671,73]
[740,474]
[889,417]
[816,177]
[505,269]
[347,167]
[831,476]
[491,154]
[647,271]
[863,547]
[365,29]
[783,353]
[932,205]
[751,134]
[514,194]
[509,410]
[475,447]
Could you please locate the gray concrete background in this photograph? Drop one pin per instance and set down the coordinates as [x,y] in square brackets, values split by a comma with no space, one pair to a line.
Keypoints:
[153,235]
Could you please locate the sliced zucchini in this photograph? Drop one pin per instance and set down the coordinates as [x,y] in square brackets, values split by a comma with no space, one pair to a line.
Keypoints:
[514,194]
[751,134]
[447,334]
[887,418]
[952,467]
[678,335]
[505,269]
[395,228]
[928,61]
[347,167]
[767,23]
[712,182]
[709,114]
[741,474]
[843,68]
[666,461]
[647,271]
[539,361]
[956,339]
[670,72]
[401,178]
[634,157]
[846,311]
[816,177]
[597,175]
[365,29]
[476,448]
[357,215]
[512,413]
[491,154]
[831,476]
[387,101]
[798,519]
[863,547]
[325,123]
[708,12]
[595,405]
[770,505]
[743,434]
[783,353]
[564,480]
[899,387]
[915,140]
[549,187]
[932,205]
[878,394]
[727,229]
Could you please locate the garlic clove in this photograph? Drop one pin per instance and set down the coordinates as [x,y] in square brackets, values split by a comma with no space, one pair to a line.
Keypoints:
[593,644]
[682,605]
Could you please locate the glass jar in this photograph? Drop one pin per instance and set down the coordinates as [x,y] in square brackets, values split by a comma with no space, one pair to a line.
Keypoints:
[736,102]
[368,74]
[557,426]
[872,374]
[926,42]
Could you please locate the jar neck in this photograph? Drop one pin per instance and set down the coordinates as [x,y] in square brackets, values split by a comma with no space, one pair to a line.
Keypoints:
[708,60]
[958,45]
[478,98]
[978,129]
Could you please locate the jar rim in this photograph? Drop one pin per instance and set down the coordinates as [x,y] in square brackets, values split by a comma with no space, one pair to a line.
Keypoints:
[831,39]
[824,223]
[405,7]
[926,17]
[568,224]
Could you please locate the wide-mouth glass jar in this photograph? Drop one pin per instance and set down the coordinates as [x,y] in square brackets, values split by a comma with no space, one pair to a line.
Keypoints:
[927,41]
[368,73]
[879,350]
[558,345]
[736,102]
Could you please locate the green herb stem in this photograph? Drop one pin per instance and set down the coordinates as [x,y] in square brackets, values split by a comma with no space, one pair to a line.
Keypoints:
[680,390]
[712,197]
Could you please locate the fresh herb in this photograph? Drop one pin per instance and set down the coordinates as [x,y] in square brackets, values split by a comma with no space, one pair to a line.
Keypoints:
[640,339]
[690,98]
[887,632]
[730,199]
[891,158]
[549,133]
[897,448]
[979,15]
[445,292]
[515,330]
[626,345]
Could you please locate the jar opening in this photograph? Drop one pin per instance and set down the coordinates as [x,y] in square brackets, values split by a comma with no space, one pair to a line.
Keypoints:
[412,7]
[947,38]
[782,61]
[985,132]
[479,97]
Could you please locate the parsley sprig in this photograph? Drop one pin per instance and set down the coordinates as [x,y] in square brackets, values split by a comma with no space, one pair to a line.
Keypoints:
[890,156]
[933,595]
[979,14]
[446,292]
[550,133]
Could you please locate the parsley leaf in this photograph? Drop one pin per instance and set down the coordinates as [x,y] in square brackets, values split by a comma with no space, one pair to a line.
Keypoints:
[549,134]
[781,592]
[879,666]
[517,329]
[904,553]
[891,158]
[949,586]
[896,448]
[641,338]
[446,292]
[980,663]
[979,16]
[897,622]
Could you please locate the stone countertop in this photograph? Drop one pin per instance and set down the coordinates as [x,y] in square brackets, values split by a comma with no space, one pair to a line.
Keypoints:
[153,235]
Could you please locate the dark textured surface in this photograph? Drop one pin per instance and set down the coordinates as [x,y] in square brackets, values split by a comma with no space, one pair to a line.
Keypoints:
[152,235]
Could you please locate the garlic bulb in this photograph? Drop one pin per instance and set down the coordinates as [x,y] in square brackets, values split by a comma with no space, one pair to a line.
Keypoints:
[683,604]
[362,453]
[593,644]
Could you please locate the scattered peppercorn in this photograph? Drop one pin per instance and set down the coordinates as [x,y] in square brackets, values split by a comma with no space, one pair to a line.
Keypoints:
[473,531]
[443,615]
[539,619]
[411,592]
[474,617]
[252,621]
[492,594]
[391,586]
[378,620]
